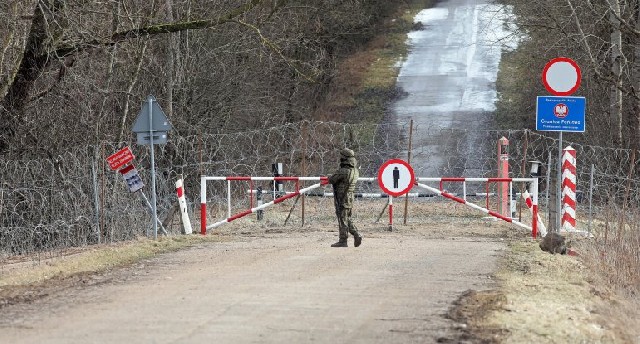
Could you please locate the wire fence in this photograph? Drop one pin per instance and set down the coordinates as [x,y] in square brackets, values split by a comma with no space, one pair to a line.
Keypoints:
[75,200]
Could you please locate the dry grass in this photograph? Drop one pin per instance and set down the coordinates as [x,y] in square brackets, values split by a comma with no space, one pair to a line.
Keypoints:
[613,256]
[36,270]
[592,298]
[548,300]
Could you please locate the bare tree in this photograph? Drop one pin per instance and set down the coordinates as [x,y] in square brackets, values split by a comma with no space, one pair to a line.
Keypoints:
[78,71]
[602,36]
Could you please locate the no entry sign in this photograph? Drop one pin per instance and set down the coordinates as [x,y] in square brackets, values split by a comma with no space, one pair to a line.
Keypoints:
[561,76]
[396,177]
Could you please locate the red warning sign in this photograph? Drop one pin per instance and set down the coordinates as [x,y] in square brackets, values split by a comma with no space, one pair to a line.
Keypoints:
[120,158]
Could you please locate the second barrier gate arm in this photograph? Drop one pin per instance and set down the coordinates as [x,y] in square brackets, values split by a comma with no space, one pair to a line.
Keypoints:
[275,201]
[462,201]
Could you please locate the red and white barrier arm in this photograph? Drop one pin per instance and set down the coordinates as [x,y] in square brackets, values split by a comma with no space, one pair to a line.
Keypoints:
[384,195]
[253,210]
[534,202]
[248,178]
[203,192]
[464,179]
[463,201]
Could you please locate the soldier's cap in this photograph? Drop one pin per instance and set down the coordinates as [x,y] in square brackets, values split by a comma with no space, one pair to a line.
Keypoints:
[347,153]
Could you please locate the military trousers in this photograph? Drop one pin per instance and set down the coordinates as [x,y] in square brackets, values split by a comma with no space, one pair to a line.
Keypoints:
[345,225]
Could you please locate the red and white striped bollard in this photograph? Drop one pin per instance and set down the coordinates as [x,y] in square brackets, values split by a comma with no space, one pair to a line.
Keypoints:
[569,182]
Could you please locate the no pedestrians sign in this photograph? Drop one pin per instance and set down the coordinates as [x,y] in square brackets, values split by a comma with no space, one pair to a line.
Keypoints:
[396,177]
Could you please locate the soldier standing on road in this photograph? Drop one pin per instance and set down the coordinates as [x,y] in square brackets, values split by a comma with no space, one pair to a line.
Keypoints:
[344,183]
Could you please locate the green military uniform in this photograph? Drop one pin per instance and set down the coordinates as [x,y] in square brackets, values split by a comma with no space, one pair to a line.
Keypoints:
[344,183]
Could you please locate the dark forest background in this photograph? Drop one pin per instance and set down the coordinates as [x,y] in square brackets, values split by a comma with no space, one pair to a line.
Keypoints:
[76,72]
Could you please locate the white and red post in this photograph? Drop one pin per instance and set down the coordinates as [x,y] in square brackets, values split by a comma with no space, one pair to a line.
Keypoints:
[533,207]
[203,205]
[535,220]
[569,182]
[182,201]
[504,200]
[390,213]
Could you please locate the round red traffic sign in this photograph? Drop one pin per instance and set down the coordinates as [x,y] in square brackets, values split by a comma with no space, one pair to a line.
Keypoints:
[396,177]
[561,76]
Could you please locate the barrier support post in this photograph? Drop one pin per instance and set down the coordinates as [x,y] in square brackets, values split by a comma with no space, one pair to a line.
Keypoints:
[203,205]
[534,220]
[228,198]
[503,172]
[278,186]
[259,213]
[390,213]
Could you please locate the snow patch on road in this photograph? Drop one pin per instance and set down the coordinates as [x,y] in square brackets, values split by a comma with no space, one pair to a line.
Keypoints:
[463,42]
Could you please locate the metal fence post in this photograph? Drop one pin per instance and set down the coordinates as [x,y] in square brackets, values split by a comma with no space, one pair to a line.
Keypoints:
[278,171]
[593,168]
[96,198]
[259,213]
[550,208]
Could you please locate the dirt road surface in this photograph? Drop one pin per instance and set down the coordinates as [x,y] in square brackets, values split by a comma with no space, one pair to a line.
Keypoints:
[287,287]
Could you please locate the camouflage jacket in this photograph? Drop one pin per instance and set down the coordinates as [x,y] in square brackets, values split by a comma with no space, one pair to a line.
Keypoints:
[344,182]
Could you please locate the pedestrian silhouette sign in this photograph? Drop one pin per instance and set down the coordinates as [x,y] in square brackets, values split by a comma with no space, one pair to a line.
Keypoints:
[396,177]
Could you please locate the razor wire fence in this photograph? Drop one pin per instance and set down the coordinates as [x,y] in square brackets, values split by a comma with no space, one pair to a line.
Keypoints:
[74,199]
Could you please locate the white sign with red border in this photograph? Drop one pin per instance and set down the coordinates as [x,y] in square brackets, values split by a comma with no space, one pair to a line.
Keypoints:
[561,76]
[396,177]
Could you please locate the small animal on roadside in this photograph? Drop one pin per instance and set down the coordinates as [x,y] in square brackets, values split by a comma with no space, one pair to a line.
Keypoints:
[554,243]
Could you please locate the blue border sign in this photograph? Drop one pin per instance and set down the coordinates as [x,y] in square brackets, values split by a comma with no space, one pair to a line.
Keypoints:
[561,114]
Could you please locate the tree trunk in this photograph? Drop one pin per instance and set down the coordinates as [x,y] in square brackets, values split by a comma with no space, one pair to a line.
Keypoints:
[616,71]
[34,59]
[172,46]
[635,129]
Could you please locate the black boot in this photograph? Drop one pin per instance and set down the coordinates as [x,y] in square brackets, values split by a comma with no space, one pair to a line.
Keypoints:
[341,243]
[357,240]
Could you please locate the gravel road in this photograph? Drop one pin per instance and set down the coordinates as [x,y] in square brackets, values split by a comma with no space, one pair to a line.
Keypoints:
[287,287]
[449,76]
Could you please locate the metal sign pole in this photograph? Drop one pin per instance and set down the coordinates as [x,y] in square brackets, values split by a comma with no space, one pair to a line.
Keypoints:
[150,208]
[145,128]
[593,167]
[559,185]
[153,174]
[547,188]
